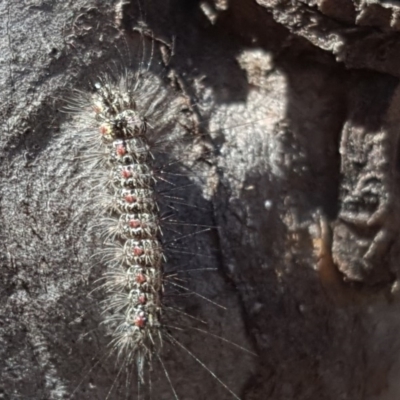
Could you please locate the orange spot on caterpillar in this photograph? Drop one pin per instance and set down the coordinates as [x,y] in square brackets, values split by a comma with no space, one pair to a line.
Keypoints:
[137,251]
[142,299]
[134,223]
[126,173]
[104,129]
[140,321]
[140,278]
[121,151]
[130,198]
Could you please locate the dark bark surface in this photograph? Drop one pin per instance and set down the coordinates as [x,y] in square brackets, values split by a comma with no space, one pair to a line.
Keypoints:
[295,112]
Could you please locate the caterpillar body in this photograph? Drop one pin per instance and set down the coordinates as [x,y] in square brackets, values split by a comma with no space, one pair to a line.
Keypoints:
[135,145]
[119,123]
[134,287]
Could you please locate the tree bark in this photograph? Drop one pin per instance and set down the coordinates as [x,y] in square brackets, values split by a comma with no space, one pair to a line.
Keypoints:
[294,114]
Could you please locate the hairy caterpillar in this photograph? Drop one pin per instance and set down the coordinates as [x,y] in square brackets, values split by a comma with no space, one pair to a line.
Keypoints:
[129,124]
[135,285]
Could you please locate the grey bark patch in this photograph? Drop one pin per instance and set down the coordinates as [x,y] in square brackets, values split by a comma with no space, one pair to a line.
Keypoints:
[364,232]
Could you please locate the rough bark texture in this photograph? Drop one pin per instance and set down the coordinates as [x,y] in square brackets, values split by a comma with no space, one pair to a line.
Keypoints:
[298,104]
